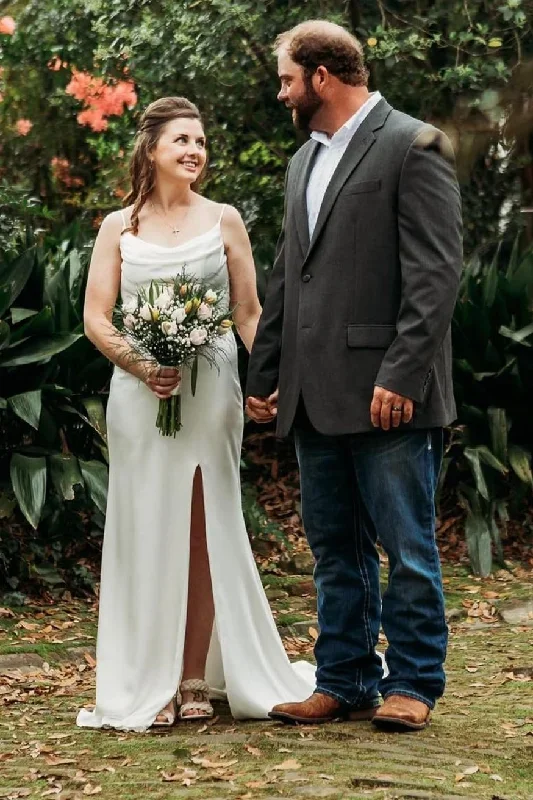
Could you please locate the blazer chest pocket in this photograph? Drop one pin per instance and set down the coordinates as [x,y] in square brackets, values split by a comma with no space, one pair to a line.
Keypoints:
[373,337]
[363,187]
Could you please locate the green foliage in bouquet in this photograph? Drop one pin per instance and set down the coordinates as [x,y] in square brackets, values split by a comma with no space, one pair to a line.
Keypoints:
[489,454]
[52,424]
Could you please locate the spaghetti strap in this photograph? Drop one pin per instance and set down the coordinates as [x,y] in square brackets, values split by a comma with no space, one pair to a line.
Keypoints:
[222,213]
[124,223]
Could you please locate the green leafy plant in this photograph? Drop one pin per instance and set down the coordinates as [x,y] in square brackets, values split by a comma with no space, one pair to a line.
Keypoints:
[489,455]
[52,423]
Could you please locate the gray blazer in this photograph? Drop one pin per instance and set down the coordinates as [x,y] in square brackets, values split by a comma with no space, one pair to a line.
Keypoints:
[369,299]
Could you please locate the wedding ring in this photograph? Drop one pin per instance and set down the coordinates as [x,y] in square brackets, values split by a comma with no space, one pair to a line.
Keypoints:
[396,408]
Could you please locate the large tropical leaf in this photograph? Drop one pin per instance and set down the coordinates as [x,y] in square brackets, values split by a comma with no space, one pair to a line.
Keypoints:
[518,336]
[27,406]
[30,352]
[28,478]
[13,276]
[95,477]
[57,295]
[499,508]
[520,461]
[4,334]
[472,455]
[20,314]
[498,432]
[490,283]
[48,574]
[65,474]
[478,540]
[489,458]
[521,281]
[39,324]
[76,276]
[96,415]
[514,258]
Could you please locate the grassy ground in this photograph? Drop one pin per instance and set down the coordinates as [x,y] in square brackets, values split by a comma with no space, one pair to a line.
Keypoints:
[480,743]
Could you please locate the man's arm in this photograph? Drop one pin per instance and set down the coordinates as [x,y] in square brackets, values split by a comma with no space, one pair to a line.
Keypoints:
[263,366]
[430,242]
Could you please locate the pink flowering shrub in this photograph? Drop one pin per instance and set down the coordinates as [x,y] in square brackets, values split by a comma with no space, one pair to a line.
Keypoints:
[61,172]
[7,25]
[23,126]
[101,100]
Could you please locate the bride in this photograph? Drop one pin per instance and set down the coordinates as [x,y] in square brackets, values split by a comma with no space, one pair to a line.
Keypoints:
[183,616]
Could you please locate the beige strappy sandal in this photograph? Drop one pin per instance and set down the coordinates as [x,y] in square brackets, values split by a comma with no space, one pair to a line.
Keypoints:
[200,691]
[170,715]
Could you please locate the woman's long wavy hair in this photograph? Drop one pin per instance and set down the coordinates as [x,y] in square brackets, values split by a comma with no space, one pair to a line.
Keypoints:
[142,169]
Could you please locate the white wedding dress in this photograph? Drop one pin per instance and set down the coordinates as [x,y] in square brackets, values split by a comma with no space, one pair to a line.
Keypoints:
[145,562]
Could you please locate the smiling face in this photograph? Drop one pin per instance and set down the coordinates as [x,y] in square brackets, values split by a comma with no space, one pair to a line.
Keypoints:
[297,92]
[180,151]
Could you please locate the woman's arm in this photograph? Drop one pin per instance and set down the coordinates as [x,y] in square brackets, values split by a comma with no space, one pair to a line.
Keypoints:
[243,287]
[103,286]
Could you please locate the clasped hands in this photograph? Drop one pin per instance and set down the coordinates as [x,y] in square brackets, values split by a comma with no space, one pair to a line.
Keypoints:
[263,409]
[387,409]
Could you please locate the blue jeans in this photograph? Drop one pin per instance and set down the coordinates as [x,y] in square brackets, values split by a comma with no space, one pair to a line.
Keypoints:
[357,489]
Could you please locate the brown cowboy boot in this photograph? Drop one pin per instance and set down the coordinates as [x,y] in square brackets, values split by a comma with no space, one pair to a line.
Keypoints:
[317,710]
[402,713]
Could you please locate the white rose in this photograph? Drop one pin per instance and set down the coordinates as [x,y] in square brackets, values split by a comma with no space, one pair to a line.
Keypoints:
[169,328]
[204,312]
[210,296]
[178,315]
[163,300]
[198,336]
[130,306]
[129,321]
[146,312]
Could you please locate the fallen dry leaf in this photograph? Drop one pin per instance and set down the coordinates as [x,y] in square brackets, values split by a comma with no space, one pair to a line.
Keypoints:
[254,751]
[291,763]
[204,762]
[186,776]
[56,762]
[90,789]
[90,660]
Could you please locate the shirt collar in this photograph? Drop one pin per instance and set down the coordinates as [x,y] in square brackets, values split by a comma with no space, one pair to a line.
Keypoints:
[350,126]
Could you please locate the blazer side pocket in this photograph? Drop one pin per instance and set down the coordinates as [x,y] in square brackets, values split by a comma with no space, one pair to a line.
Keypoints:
[362,187]
[372,337]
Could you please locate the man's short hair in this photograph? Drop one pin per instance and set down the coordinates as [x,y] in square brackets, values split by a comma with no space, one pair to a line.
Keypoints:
[318,43]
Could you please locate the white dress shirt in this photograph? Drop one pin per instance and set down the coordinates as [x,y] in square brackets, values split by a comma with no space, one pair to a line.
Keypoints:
[329,156]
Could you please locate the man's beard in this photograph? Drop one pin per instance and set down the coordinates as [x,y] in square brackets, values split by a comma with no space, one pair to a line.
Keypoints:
[305,108]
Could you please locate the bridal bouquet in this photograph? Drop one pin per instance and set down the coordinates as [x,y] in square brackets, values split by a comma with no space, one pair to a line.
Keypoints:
[174,323]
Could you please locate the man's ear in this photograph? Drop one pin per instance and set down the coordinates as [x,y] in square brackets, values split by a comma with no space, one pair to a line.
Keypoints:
[320,79]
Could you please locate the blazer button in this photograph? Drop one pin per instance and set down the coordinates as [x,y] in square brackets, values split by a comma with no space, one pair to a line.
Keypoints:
[306,278]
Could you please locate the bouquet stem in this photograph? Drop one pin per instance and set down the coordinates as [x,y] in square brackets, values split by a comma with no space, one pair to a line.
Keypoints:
[169,416]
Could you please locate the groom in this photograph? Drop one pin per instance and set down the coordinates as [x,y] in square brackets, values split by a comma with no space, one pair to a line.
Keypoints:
[355,332]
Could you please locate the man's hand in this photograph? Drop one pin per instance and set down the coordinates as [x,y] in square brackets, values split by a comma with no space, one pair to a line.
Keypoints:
[388,409]
[262,409]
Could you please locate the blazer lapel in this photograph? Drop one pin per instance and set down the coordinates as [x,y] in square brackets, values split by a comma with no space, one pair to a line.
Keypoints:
[300,195]
[361,142]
